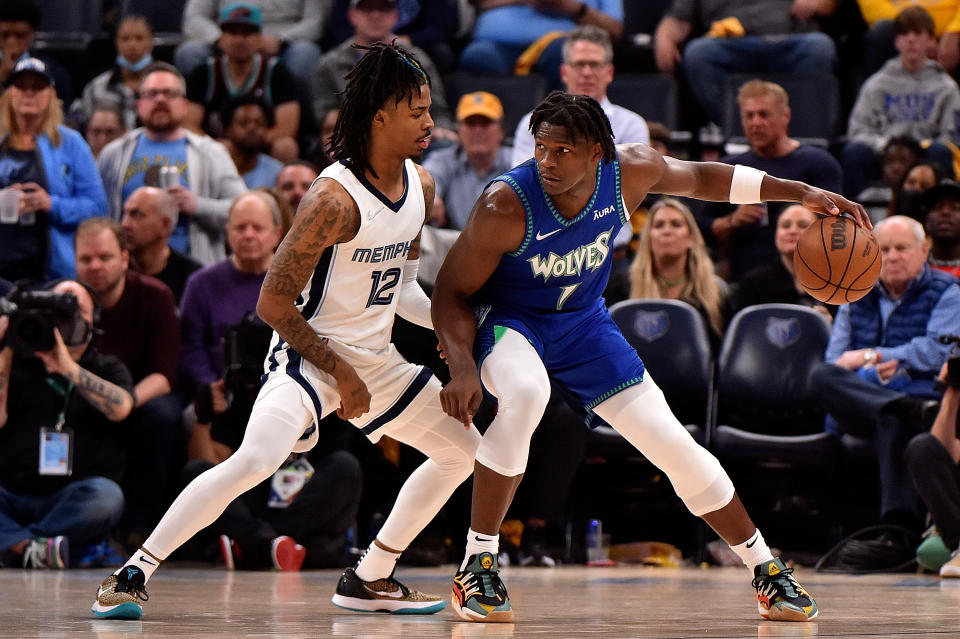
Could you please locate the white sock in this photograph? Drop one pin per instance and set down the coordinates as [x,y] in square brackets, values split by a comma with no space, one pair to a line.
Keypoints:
[144,561]
[478,543]
[376,563]
[753,551]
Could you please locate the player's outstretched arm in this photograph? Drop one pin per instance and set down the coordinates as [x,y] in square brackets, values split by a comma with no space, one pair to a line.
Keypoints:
[327,215]
[496,226]
[719,182]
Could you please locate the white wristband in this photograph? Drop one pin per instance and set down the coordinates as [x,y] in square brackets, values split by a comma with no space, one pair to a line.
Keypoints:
[745,185]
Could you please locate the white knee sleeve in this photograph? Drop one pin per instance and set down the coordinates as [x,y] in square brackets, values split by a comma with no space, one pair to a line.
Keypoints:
[641,414]
[450,448]
[514,373]
[278,419]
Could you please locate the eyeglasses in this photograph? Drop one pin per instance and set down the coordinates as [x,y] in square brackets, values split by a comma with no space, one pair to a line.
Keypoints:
[153,94]
[581,65]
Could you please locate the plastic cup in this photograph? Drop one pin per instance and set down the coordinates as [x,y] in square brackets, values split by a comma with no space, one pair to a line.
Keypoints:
[10,206]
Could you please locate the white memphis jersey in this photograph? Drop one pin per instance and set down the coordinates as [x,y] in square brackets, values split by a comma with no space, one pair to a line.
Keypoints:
[352,296]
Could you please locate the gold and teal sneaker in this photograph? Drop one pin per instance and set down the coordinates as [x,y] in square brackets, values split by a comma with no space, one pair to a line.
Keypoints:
[120,595]
[479,593]
[779,596]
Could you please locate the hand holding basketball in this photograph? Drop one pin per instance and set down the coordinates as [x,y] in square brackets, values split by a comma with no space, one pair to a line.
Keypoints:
[828,203]
[836,261]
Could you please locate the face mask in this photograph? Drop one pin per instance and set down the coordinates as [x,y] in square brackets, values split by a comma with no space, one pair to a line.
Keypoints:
[911,204]
[134,67]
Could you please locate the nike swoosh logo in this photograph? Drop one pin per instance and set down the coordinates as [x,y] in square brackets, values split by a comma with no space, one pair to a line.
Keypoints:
[373,214]
[396,594]
[546,235]
[147,561]
[751,543]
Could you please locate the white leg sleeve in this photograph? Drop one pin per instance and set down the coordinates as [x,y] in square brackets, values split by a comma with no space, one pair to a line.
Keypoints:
[450,448]
[514,373]
[278,419]
[641,414]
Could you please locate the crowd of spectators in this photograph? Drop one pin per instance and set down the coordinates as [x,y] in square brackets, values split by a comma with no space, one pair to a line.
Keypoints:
[156,187]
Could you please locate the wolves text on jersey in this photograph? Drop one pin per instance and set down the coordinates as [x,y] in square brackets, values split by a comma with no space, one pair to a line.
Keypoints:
[380,253]
[590,256]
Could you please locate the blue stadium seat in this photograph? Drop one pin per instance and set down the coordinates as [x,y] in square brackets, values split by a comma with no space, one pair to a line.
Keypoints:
[652,95]
[70,17]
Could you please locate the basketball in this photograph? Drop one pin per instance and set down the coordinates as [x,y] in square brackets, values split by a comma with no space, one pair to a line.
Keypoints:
[836,261]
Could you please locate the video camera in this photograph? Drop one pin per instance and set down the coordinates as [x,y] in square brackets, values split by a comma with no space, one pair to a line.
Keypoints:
[33,316]
[953,364]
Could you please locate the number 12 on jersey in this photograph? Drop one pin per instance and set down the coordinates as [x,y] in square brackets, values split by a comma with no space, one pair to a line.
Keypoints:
[381,292]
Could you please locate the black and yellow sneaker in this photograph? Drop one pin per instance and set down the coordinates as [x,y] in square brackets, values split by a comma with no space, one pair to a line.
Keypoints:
[479,593]
[383,595]
[119,595]
[779,596]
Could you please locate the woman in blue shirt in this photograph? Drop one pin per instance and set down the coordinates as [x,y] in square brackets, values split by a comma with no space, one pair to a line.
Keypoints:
[52,167]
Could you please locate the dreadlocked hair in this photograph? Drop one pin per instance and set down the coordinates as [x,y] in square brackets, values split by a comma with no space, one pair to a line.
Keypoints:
[580,115]
[385,72]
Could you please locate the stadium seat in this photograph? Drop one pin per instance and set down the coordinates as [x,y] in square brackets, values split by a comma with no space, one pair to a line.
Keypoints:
[519,94]
[652,95]
[70,18]
[814,106]
[672,340]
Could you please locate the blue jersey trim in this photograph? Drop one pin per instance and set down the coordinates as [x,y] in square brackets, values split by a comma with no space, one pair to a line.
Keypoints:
[367,184]
[526,209]
[589,207]
[273,361]
[293,370]
[624,218]
[408,395]
[319,283]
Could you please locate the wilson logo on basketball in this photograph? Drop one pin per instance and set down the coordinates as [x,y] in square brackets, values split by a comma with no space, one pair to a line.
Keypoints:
[838,235]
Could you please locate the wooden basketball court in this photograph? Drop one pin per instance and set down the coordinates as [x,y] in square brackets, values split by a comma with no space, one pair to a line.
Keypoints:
[574,601]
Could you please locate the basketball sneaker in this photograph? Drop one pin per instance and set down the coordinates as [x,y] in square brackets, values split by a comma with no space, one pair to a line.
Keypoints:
[382,595]
[119,595]
[779,596]
[479,593]
[47,552]
[951,568]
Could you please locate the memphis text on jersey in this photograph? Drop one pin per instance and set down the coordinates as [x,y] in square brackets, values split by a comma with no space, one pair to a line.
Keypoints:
[381,253]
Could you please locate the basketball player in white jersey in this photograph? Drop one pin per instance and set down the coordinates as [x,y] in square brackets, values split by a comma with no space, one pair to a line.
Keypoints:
[343,271]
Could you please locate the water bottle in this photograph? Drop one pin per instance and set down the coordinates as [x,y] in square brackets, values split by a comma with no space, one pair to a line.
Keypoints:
[594,542]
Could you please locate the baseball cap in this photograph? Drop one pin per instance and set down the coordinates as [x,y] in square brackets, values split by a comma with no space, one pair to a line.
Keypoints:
[241,13]
[30,65]
[945,189]
[480,103]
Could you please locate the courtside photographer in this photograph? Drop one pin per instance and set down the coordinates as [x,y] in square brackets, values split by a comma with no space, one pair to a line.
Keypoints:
[61,446]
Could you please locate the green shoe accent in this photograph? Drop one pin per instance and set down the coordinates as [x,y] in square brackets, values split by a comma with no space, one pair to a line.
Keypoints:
[932,553]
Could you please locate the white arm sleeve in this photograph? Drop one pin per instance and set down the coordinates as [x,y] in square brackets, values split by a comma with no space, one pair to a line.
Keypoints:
[413,305]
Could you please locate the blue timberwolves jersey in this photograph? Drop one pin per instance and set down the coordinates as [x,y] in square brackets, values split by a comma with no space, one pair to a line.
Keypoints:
[562,265]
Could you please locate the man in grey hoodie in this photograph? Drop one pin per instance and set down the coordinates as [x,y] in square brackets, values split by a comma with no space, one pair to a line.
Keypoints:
[195,170]
[911,95]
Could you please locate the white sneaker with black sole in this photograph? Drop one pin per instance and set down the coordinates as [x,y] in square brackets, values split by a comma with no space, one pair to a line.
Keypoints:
[383,595]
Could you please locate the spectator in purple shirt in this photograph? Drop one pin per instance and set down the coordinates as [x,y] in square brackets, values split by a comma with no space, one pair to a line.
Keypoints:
[217,297]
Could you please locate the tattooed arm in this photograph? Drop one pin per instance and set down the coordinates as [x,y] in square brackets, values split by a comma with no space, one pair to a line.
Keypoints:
[327,215]
[108,398]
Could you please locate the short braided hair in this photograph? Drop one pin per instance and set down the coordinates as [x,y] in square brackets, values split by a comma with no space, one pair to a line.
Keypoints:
[580,115]
[385,72]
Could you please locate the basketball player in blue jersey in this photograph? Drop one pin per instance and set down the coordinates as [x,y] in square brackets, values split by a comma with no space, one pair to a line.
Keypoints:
[347,266]
[518,302]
